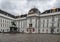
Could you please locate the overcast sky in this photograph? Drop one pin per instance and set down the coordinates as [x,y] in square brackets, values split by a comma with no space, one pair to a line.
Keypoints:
[19,7]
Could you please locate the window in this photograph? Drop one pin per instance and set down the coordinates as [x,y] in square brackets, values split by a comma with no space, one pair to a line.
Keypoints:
[1,25]
[57,30]
[7,30]
[30,25]
[1,29]
[5,25]
[43,23]
[47,22]
[30,20]
[58,23]
[3,20]
[46,12]
[43,30]
[7,21]
[36,23]
[46,30]
[21,24]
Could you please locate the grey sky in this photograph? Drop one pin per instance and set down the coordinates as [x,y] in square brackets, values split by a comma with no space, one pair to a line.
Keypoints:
[18,7]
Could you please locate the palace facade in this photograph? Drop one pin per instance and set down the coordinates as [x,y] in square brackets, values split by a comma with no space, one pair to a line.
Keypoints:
[33,22]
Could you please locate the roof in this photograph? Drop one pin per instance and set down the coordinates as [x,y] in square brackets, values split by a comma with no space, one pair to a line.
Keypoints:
[8,14]
[25,15]
[35,10]
[51,10]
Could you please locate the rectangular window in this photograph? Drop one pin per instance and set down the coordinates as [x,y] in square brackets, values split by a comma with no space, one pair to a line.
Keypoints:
[42,30]
[57,30]
[36,24]
[1,29]
[30,25]
[1,25]
[58,23]
[47,23]
[30,20]
[3,21]
[47,30]
[5,25]
[21,24]
[53,20]
[43,23]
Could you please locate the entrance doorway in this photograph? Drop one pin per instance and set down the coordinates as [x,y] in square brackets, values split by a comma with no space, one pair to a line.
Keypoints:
[13,29]
[30,29]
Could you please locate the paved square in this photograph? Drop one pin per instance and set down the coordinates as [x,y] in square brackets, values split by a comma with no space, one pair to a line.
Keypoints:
[29,38]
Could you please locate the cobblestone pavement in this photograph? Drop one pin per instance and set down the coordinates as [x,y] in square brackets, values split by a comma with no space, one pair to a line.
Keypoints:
[29,38]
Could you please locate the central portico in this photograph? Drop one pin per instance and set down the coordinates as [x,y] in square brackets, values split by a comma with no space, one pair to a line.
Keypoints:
[30,29]
[33,20]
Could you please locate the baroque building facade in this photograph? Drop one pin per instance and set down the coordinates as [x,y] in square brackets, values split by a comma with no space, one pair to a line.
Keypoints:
[33,22]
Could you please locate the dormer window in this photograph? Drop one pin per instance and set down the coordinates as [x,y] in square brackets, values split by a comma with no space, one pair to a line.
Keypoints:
[32,11]
[57,10]
[54,10]
[46,12]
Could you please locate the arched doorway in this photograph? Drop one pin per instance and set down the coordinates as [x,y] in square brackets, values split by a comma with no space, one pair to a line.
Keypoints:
[30,29]
[13,29]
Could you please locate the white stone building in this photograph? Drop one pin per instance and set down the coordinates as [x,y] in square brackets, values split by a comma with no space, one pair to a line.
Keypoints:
[33,22]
